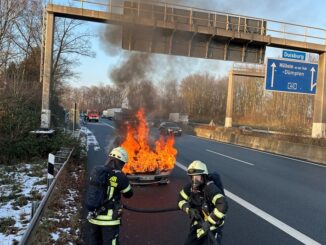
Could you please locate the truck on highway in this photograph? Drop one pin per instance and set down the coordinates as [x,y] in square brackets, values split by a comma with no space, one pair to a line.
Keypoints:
[177,117]
[92,115]
[110,113]
[105,114]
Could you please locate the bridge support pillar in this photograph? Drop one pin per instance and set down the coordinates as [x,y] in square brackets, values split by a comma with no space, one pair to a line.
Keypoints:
[319,120]
[229,102]
[47,71]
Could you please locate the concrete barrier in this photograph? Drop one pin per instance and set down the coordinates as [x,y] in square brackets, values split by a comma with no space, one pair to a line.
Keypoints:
[297,150]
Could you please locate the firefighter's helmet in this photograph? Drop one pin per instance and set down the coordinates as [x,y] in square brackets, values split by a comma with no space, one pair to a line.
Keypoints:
[197,168]
[119,153]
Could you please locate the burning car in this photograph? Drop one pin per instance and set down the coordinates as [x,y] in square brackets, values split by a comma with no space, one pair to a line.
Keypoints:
[147,163]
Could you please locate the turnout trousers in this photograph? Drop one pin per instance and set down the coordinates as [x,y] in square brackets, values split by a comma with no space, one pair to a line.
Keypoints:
[103,235]
[212,238]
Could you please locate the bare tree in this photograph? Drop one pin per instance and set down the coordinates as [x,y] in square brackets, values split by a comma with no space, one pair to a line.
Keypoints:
[169,97]
[142,94]
[10,10]
[203,97]
[69,42]
[94,97]
[271,110]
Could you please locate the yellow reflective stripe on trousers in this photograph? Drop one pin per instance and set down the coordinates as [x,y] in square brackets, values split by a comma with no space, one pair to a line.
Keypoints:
[209,218]
[114,241]
[105,217]
[221,224]
[213,228]
[218,214]
[200,232]
[184,195]
[111,192]
[217,196]
[181,203]
[126,189]
[104,222]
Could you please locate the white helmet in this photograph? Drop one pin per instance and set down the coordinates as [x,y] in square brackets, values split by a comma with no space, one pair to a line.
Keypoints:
[197,168]
[119,153]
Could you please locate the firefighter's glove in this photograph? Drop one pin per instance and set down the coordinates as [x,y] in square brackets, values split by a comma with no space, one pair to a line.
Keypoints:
[117,213]
[194,214]
[203,230]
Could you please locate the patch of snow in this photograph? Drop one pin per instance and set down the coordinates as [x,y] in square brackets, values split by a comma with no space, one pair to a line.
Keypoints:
[23,213]
[84,130]
[25,166]
[5,190]
[74,175]
[91,140]
[8,239]
[55,235]
[28,183]
[54,220]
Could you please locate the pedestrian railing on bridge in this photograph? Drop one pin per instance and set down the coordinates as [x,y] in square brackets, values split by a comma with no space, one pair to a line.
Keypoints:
[243,67]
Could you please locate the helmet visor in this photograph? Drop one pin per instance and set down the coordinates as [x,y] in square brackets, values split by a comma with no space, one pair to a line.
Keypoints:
[193,171]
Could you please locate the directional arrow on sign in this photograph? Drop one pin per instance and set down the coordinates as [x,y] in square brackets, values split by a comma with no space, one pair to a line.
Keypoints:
[273,68]
[312,84]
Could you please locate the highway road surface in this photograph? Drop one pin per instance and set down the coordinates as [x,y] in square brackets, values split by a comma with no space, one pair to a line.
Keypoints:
[272,199]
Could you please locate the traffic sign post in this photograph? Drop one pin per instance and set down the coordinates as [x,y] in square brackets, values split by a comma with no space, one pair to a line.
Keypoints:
[291,76]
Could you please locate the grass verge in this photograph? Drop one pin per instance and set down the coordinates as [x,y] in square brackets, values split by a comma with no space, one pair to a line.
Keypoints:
[61,222]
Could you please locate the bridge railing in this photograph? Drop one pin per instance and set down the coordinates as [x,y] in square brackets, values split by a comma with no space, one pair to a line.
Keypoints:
[245,67]
[200,17]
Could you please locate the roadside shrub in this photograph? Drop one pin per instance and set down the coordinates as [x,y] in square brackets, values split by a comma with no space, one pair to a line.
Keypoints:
[30,146]
[5,223]
[21,201]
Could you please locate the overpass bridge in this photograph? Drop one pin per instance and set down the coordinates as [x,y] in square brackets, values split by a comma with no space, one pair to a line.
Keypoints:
[179,30]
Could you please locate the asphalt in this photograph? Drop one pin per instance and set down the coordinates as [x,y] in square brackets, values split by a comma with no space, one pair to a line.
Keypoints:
[272,199]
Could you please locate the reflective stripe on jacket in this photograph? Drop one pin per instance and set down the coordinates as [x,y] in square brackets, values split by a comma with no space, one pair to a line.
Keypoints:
[117,184]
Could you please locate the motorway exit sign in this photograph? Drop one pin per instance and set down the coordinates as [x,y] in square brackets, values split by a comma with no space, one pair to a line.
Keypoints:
[291,76]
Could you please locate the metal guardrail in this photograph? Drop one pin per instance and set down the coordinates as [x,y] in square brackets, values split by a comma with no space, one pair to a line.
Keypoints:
[27,237]
[238,23]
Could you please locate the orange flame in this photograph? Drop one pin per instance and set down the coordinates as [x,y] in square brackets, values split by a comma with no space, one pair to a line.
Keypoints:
[142,159]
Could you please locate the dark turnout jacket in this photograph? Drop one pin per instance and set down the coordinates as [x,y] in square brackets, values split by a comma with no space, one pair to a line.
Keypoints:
[118,184]
[209,201]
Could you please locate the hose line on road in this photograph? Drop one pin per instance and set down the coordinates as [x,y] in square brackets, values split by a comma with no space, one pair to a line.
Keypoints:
[143,210]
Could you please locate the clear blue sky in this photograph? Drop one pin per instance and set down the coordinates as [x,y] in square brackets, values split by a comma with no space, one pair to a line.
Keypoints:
[93,71]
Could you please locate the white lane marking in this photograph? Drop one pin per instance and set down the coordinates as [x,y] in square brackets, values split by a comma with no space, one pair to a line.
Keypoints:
[107,124]
[264,152]
[90,139]
[236,159]
[262,214]
[183,167]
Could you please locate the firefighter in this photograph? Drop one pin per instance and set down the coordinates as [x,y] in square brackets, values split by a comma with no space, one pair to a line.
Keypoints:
[104,227]
[203,201]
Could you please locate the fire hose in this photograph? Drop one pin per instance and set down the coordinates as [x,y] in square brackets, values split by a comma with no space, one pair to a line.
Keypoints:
[211,236]
[144,210]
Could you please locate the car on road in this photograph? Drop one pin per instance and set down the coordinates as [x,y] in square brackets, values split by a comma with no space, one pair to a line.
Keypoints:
[170,128]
